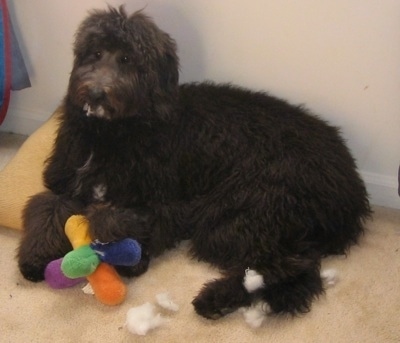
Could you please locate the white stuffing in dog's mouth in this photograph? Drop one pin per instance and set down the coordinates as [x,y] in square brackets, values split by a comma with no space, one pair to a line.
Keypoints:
[94,111]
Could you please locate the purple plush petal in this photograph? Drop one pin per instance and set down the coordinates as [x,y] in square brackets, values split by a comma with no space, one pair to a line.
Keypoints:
[55,277]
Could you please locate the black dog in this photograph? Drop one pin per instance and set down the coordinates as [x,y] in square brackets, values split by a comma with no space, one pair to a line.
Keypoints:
[253,181]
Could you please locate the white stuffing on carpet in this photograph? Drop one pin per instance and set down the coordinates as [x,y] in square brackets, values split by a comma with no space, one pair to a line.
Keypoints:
[330,277]
[164,300]
[141,319]
[87,289]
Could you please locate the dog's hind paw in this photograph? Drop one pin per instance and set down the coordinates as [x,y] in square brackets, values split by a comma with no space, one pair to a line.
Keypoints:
[221,297]
[209,309]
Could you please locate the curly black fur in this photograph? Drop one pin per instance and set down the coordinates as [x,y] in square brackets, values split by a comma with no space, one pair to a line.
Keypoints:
[253,181]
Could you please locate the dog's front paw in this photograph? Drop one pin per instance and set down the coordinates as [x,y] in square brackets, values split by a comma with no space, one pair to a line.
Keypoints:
[136,270]
[31,272]
[109,224]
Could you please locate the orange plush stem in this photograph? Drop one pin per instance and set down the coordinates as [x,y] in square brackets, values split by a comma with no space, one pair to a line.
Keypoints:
[106,283]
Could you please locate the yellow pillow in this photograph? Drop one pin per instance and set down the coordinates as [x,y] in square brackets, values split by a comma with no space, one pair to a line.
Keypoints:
[22,177]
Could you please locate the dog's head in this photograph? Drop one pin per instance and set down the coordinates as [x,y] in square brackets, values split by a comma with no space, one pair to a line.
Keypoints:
[124,66]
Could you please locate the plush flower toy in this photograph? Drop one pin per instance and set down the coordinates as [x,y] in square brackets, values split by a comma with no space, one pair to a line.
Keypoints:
[94,261]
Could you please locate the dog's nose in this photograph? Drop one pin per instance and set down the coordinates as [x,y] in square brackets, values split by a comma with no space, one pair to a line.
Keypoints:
[96,94]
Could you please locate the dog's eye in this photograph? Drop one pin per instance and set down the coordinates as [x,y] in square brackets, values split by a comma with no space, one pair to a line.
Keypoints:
[97,54]
[125,59]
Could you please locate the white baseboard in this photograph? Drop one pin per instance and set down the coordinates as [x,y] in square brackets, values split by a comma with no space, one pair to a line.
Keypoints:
[23,121]
[383,189]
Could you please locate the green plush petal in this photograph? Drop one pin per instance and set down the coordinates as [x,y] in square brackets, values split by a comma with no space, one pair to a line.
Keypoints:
[80,262]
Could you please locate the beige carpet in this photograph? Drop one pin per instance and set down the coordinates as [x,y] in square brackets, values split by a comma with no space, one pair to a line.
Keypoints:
[364,305]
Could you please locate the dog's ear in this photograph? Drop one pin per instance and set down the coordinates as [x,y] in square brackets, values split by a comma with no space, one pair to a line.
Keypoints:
[169,67]
[167,83]
[160,63]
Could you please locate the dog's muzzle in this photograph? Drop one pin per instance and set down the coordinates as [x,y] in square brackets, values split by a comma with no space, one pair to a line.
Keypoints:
[93,107]
[97,111]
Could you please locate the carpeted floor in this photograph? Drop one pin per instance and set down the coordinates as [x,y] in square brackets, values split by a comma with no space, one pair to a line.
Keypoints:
[363,306]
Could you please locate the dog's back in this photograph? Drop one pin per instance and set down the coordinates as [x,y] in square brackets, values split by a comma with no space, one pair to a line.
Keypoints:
[277,157]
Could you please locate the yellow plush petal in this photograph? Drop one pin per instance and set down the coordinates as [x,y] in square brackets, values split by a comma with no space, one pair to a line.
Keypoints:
[77,231]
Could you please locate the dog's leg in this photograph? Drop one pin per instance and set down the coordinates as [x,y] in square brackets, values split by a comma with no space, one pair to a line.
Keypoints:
[43,239]
[288,273]
[292,295]
[232,248]
[295,294]
[156,229]
[109,224]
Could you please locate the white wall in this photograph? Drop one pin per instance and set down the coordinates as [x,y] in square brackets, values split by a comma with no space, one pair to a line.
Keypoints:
[341,58]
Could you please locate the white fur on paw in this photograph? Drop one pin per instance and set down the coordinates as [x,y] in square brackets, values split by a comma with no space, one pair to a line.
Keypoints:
[87,289]
[330,277]
[253,281]
[141,319]
[165,301]
[255,315]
